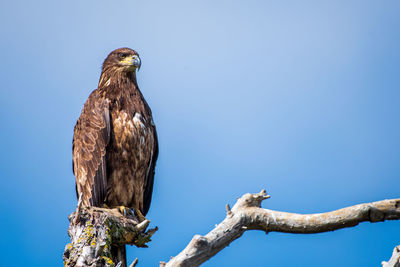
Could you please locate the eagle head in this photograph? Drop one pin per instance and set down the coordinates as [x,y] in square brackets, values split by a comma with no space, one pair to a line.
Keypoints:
[122,59]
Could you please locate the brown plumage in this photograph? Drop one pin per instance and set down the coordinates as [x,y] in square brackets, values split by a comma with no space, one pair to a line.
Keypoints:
[115,141]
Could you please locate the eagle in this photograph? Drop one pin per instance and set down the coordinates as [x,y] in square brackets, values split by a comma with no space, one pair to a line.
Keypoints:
[115,144]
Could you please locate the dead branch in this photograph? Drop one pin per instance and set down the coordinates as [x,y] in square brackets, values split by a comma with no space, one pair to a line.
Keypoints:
[247,214]
[394,260]
[93,232]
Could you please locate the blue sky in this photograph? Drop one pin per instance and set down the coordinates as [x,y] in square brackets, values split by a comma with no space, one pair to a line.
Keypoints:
[300,98]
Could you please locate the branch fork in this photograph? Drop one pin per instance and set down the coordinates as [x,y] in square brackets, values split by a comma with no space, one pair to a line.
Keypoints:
[247,214]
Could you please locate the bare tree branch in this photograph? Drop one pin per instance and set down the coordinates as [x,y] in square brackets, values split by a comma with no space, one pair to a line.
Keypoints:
[247,214]
[394,260]
[133,264]
[94,231]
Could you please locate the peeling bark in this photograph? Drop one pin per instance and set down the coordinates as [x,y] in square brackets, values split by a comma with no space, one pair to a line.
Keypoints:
[94,231]
[247,214]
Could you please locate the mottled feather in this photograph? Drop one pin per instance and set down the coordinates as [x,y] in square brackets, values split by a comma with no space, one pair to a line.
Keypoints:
[115,146]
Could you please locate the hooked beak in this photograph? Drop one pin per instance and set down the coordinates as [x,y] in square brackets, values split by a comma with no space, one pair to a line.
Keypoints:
[136,62]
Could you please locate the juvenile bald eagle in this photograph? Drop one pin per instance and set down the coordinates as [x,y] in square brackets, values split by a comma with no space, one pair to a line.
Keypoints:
[115,144]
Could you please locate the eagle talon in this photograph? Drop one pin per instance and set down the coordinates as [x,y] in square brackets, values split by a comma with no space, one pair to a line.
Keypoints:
[140,215]
[125,210]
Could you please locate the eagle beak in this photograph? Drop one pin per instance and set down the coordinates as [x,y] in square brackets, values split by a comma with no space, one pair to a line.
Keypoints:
[136,61]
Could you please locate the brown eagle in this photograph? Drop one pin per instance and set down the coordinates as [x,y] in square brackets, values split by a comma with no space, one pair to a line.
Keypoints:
[115,145]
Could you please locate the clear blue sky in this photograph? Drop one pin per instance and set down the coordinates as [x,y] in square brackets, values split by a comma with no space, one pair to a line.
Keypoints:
[299,97]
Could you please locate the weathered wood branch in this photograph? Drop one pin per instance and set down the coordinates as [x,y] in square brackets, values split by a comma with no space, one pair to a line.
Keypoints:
[394,260]
[94,231]
[247,214]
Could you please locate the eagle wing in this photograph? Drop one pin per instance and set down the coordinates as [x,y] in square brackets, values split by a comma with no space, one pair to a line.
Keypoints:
[148,190]
[91,137]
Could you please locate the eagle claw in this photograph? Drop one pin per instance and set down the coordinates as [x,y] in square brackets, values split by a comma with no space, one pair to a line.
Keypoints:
[125,211]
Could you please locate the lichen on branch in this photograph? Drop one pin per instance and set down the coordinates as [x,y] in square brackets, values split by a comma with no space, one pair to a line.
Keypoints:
[94,231]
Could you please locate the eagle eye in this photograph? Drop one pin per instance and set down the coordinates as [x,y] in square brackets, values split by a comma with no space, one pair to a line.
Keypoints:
[121,55]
